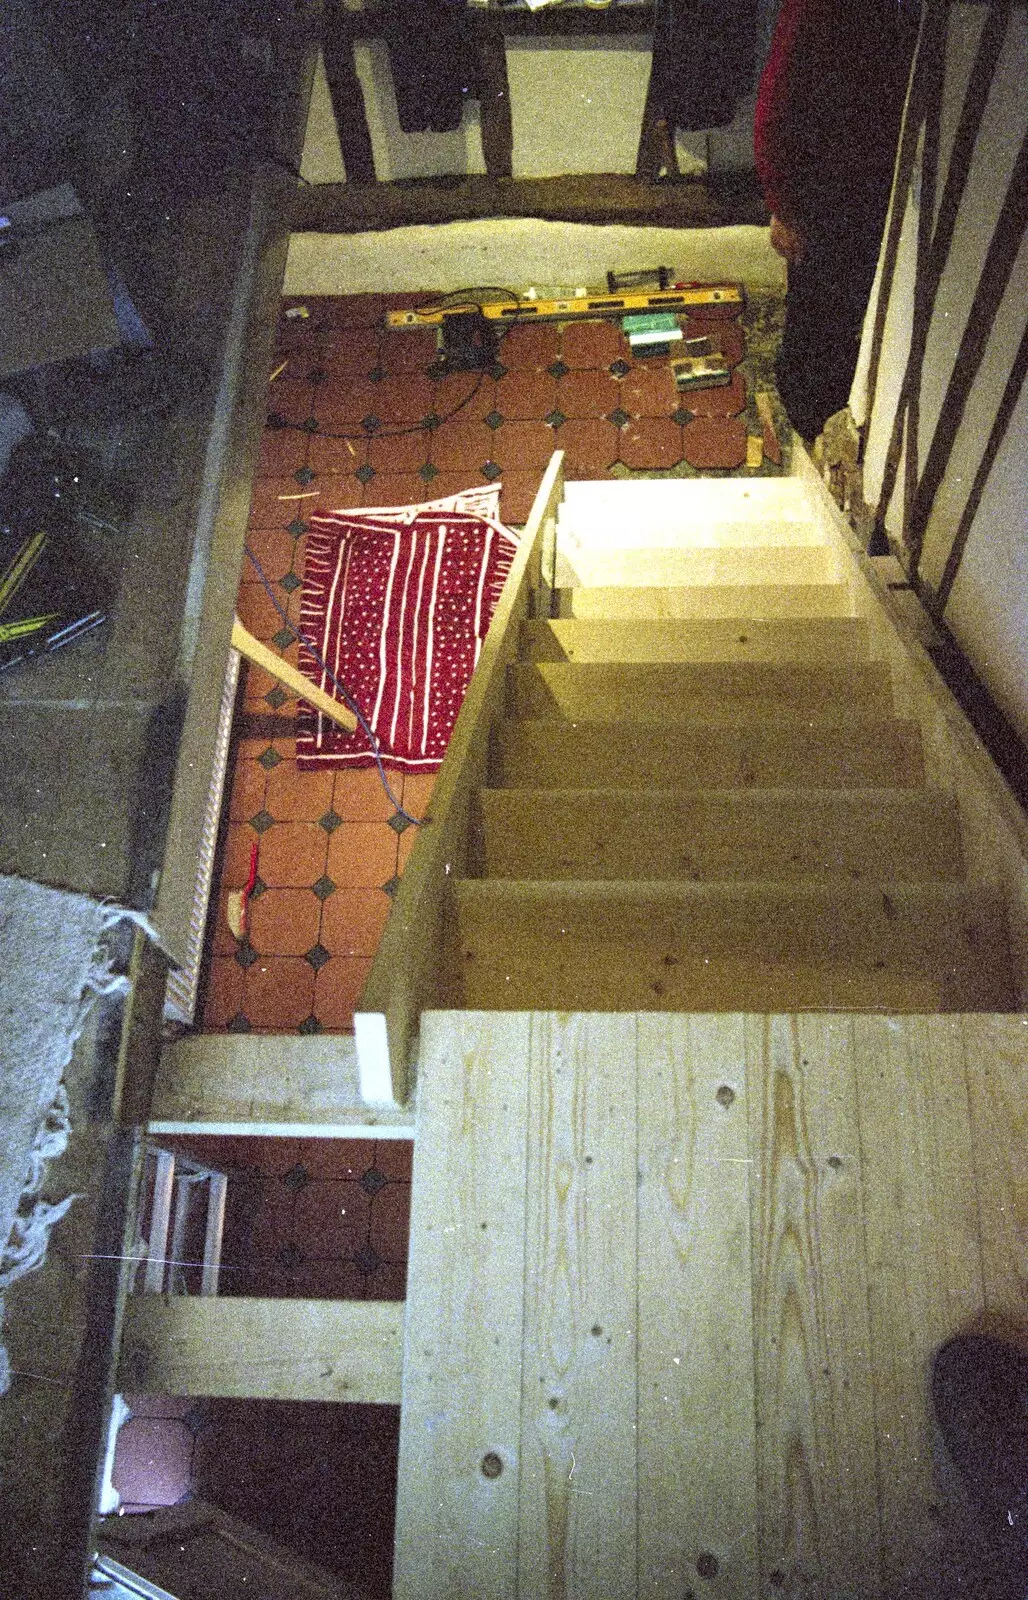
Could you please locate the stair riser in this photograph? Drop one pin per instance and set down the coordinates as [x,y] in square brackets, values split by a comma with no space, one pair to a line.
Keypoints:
[734,601]
[673,691]
[568,835]
[519,947]
[675,532]
[813,564]
[545,755]
[608,640]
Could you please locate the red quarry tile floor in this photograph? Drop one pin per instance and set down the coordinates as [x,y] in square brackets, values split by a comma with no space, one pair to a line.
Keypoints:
[330,848]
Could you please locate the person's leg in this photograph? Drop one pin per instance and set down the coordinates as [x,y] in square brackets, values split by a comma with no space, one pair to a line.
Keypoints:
[824,316]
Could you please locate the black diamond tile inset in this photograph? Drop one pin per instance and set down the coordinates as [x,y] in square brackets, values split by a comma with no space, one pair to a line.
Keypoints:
[376,374]
[681,416]
[428,472]
[398,822]
[275,419]
[557,369]
[365,473]
[619,417]
[311,425]
[297,1178]
[367,1260]
[317,956]
[276,697]
[246,955]
[373,1181]
[330,821]
[304,476]
[296,527]
[497,370]
[290,582]
[262,822]
[491,470]
[317,375]
[323,888]
[619,369]
[391,887]
[371,423]
[259,888]
[494,420]
[310,1025]
[431,421]
[436,371]
[238,1024]
[270,759]
[556,419]
[283,638]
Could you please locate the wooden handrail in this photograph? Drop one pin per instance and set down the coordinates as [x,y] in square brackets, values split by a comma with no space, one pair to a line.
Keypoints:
[405,977]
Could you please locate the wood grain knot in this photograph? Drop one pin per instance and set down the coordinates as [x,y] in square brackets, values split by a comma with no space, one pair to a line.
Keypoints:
[492,1465]
[725,1095]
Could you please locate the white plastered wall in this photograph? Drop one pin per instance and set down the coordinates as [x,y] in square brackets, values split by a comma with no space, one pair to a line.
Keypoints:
[518,252]
[987,610]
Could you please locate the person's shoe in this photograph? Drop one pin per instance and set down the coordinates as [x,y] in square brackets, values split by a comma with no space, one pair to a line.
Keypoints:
[980,1394]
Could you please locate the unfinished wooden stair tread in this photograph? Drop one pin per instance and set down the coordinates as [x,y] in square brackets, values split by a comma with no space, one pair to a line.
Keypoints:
[614,690]
[707,835]
[617,946]
[740,601]
[608,639]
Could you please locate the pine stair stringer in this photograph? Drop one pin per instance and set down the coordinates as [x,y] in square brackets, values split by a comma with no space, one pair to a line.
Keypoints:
[406,975]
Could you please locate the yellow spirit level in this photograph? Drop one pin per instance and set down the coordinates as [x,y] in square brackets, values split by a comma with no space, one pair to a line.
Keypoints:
[602,305]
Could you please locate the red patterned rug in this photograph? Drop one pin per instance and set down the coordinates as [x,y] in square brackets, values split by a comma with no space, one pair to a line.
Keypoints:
[398,601]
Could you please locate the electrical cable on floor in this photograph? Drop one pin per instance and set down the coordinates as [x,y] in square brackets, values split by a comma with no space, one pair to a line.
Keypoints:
[462,298]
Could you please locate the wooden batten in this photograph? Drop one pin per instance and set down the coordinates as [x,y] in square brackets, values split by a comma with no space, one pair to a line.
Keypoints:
[405,976]
[268,1085]
[241,1348]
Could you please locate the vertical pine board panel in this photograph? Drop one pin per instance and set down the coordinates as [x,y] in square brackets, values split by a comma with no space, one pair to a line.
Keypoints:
[996,1053]
[578,1472]
[819,1529]
[697,1484]
[457,1499]
[923,1256]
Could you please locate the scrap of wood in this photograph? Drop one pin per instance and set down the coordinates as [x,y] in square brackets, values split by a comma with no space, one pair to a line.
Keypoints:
[290,677]
[754,451]
[234,912]
[772,443]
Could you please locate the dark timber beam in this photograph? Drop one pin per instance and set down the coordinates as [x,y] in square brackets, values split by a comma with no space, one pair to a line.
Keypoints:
[588,197]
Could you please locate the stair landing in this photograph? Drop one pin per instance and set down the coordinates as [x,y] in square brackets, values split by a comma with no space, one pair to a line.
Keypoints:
[675,1286]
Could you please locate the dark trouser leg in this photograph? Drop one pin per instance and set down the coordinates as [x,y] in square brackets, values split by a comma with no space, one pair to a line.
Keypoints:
[824,314]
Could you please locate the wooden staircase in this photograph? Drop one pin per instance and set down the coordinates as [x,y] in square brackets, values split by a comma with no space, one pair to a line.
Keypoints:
[701,799]
[709,959]
[700,777]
